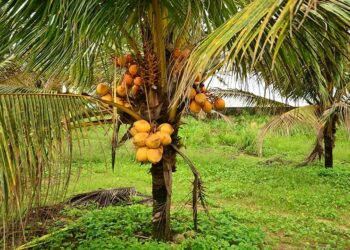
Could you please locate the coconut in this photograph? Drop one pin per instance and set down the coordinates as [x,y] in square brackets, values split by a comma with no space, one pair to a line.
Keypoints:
[165,138]
[219,104]
[193,93]
[195,107]
[153,141]
[128,80]
[107,98]
[102,89]
[141,154]
[142,126]
[121,90]
[133,69]
[207,107]
[133,131]
[138,81]
[154,155]
[166,127]
[200,98]
[140,139]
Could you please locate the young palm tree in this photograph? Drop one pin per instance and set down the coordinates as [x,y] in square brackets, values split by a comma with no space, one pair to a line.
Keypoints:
[71,37]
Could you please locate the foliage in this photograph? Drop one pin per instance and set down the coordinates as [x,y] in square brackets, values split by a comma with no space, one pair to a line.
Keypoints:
[128,228]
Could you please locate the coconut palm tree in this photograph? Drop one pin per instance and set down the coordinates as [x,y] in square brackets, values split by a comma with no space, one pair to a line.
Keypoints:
[69,38]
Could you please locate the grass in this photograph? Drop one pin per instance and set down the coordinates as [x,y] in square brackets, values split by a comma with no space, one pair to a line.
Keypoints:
[276,204]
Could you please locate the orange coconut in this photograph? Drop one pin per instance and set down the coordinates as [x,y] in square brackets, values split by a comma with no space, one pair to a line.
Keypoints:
[195,107]
[141,154]
[166,127]
[207,107]
[133,131]
[219,104]
[127,105]
[153,141]
[102,89]
[200,98]
[138,81]
[121,90]
[193,93]
[142,126]
[133,69]
[154,155]
[140,139]
[128,80]
[165,138]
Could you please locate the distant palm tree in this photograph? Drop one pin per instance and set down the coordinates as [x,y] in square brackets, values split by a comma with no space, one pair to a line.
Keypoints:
[69,38]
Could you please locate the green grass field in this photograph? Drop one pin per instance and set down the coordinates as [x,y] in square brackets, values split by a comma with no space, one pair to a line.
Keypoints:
[266,203]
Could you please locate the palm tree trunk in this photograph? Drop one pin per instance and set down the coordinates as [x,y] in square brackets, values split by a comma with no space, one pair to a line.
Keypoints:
[161,191]
[329,139]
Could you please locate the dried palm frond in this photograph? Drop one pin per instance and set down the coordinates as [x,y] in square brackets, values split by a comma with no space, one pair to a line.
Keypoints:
[106,197]
[285,122]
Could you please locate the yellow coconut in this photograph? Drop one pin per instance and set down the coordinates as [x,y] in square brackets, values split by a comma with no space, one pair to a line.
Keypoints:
[166,127]
[141,154]
[153,141]
[195,107]
[140,139]
[121,90]
[142,126]
[107,98]
[165,138]
[207,107]
[133,69]
[154,155]
[102,89]
[200,98]
[133,131]
[219,104]
[128,80]
[193,93]
[138,81]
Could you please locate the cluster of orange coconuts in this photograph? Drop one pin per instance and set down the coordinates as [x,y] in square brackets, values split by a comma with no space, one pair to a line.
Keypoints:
[130,83]
[200,99]
[149,141]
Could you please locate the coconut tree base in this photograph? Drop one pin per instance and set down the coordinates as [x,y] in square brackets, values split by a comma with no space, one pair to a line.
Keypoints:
[161,192]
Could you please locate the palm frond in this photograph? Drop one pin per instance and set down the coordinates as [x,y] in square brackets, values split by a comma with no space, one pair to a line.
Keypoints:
[249,98]
[36,148]
[305,116]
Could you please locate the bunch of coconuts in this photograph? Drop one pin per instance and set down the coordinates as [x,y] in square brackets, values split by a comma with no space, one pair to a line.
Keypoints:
[202,100]
[131,83]
[149,141]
